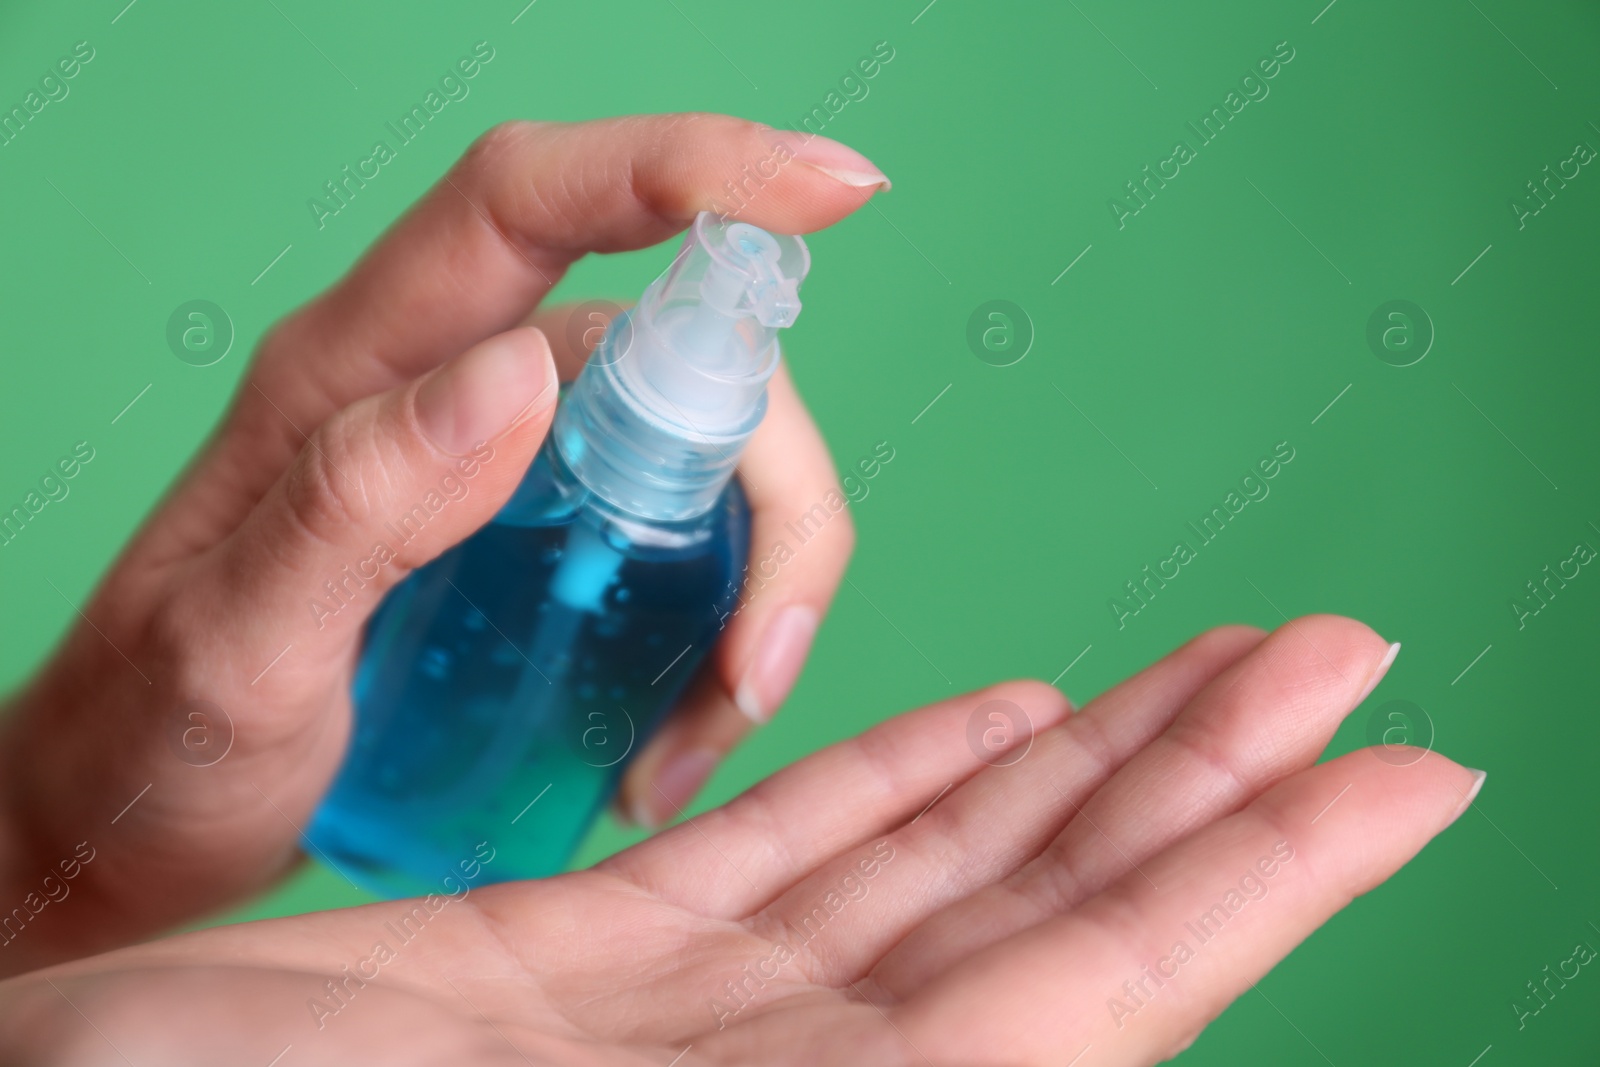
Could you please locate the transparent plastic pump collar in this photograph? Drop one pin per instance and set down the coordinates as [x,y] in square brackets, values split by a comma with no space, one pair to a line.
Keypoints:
[656,422]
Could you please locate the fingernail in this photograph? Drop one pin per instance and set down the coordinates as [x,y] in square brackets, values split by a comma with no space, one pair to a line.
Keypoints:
[779,657]
[486,390]
[1379,671]
[837,161]
[1472,794]
[676,784]
[631,814]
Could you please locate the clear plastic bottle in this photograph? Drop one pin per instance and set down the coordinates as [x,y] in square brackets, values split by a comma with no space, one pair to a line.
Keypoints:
[503,686]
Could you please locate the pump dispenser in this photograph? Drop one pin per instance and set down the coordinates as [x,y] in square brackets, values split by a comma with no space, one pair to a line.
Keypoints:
[504,686]
[658,418]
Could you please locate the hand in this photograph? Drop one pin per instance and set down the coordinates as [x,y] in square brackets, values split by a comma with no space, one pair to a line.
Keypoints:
[351,415]
[1112,890]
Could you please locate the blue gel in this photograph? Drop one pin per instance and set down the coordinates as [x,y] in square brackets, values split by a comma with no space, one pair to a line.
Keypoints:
[503,687]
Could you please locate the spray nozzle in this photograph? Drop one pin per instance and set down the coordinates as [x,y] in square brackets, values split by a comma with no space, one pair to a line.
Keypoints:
[657,419]
[767,293]
[704,338]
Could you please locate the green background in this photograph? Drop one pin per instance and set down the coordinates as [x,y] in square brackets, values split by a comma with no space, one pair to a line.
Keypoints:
[1223,319]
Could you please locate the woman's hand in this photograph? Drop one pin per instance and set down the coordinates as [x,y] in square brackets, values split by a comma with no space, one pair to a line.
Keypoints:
[1093,891]
[193,719]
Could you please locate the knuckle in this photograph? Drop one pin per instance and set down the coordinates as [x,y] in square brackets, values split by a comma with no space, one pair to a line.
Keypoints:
[1240,771]
[282,336]
[1052,885]
[499,141]
[506,175]
[748,132]
[325,486]
[177,634]
[1093,744]
[700,124]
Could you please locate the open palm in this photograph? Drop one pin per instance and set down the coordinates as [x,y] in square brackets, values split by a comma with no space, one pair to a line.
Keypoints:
[955,886]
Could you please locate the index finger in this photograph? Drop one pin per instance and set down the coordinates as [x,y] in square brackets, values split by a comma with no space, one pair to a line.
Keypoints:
[526,201]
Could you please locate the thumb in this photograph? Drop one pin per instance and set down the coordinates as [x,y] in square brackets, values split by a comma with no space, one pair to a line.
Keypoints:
[381,488]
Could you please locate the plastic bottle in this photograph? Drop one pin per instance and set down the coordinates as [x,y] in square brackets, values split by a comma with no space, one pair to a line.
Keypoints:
[503,686]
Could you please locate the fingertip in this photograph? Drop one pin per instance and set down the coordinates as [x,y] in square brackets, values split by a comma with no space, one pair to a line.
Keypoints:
[1454,786]
[704,721]
[1469,790]
[1425,779]
[531,339]
[679,780]
[780,653]
[836,160]
[1379,670]
[486,391]
[745,699]
[628,806]
[872,181]
[668,788]
[1044,704]
[1416,780]
[635,816]
[790,181]
[1339,657]
[532,346]
[1343,628]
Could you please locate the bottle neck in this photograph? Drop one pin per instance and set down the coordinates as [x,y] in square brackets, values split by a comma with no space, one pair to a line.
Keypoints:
[637,462]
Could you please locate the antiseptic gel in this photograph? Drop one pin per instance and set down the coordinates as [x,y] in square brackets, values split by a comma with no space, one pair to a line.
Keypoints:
[503,686]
